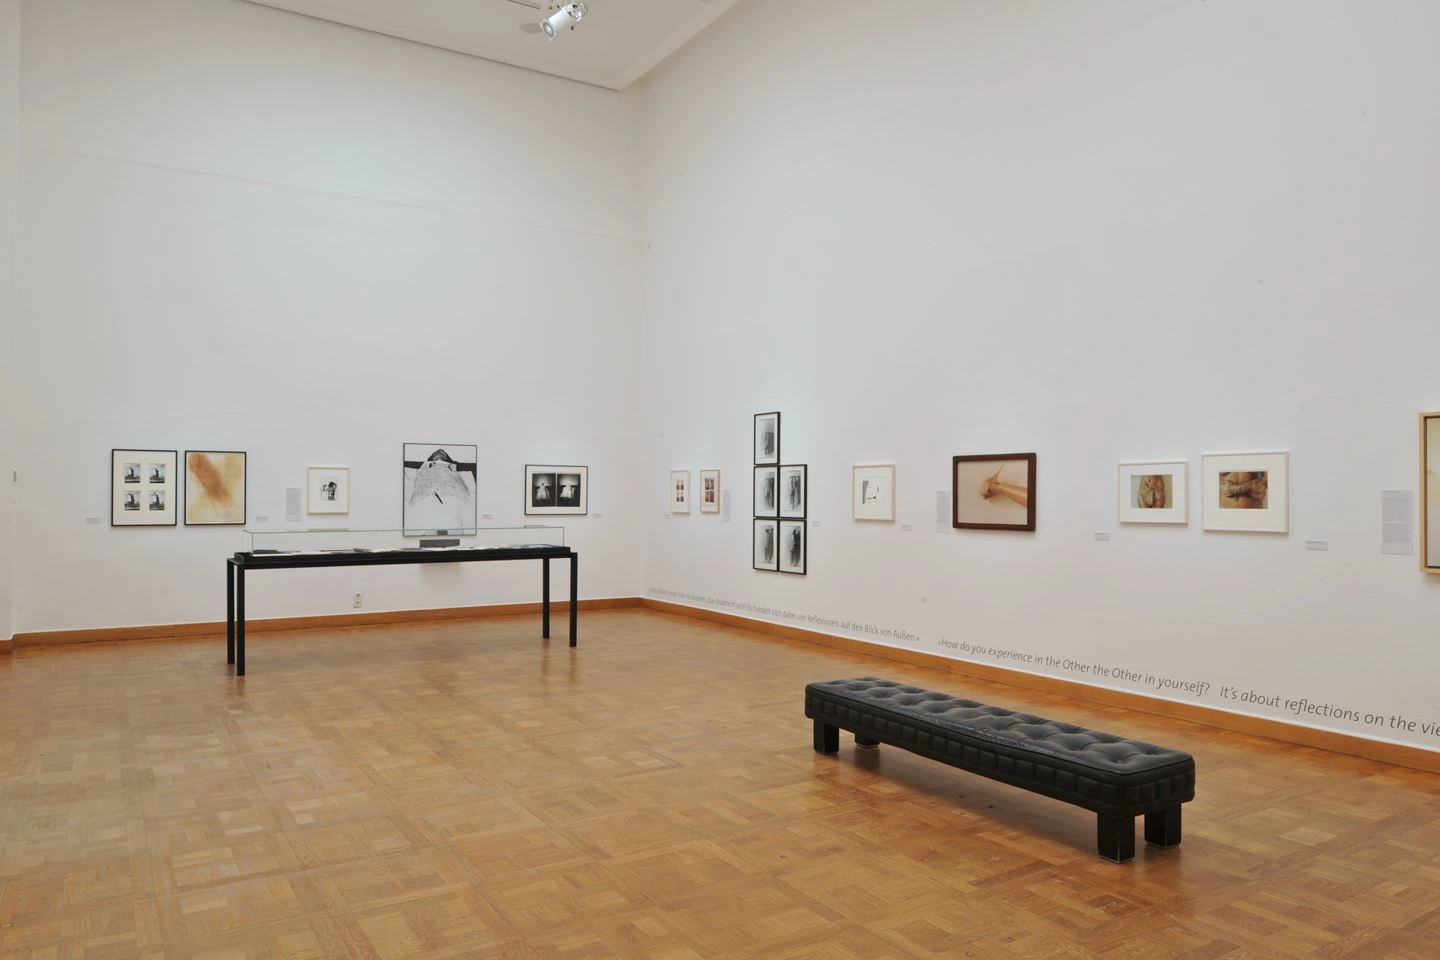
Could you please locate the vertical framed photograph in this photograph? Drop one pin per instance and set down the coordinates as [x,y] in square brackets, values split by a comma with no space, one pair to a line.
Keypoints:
[994,491]
[710,491]
[679,491]
[1430,492]
[552,490]
[1246,492]
[767,438]
[872,491]
[327,490]
[1154,492]
[766,545]
[214,487]
[792,491]
[438,487]
[142,488]
[767,491]
[792,546]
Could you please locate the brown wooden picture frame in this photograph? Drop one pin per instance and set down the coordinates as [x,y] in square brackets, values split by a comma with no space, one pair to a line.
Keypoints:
[965,495]
[1429,489]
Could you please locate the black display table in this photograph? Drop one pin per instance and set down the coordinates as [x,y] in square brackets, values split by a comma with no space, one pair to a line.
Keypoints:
[236,566]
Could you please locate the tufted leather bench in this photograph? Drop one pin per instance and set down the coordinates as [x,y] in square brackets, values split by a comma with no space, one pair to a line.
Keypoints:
[1116,777]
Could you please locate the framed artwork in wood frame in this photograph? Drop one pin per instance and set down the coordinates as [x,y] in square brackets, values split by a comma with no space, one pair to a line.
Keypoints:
[1245,492]
[552,490]
[767,438]
[142,488]
[1157,492]
[767,492]
[765,545]
[794,479]
[327,490]
[214,487]
[679,491]
[872,491]
[792,546]
[710,490]
[1430,492]
[993,491]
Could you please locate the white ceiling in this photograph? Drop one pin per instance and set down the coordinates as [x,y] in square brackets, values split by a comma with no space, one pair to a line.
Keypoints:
[616,44]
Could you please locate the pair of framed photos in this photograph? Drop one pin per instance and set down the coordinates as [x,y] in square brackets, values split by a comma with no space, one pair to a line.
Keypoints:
[1240,492]
[780,545]
[145,491]
[552,491]
[681,494]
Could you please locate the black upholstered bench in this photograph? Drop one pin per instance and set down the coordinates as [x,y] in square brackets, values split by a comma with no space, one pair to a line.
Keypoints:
[1116,777]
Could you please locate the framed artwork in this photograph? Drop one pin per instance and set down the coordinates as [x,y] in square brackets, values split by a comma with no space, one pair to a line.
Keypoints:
[710,491]
[1430,492]
[438,484]
[767,438]
[327,489]
[1154,492]
[792,546]
[792,491]
[994,492]
[142,488]
[872,491]
[679,491]
[552,490]
[1246,492]
[766,545]
[214,487]
[767,491]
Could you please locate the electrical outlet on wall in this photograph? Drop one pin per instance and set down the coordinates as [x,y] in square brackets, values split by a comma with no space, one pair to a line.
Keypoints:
[356,602]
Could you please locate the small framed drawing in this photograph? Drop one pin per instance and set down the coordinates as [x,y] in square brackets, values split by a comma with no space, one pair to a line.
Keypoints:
[1430,492]
[1154,492]
[766,545]
[214,487]
[792,546]
[1246,492]
[710,491]
[142,488]
[792,491]
[872,491]
[327,489]
[679,491]
[767,438]
[994,492]
[552,490]
[767,491]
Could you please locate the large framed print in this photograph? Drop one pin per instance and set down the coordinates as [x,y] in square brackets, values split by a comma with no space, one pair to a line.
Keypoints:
[438,483]
[679,491]
[993,491]
[792,546]
[767,438]
[214,487]
[766,545]
[767,491]
[1154,492]
[1246,492]
[142,488]
[1430,492]
[327,490]
[710,491]
[793,490]
[872,491]
[552,490]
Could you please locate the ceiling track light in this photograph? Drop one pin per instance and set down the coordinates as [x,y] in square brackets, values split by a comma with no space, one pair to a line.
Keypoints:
[566,15]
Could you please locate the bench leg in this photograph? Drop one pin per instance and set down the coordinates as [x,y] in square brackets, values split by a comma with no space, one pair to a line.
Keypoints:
[1162,828]
[865,742]
[1116,838]
[827,738]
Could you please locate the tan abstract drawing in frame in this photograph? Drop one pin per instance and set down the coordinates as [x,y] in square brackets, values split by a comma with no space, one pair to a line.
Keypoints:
[1430,492]
[214,487]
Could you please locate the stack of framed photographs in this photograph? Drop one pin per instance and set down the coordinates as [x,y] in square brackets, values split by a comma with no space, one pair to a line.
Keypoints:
[781,496]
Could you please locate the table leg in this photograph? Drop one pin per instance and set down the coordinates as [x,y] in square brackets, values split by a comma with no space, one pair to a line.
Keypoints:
[545,598]
[239,621]
[574,594]
[229,611]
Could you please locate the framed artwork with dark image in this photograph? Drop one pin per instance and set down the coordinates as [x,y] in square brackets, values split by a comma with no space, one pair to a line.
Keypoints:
[766,545]
[792,546]
[552,490]
[327,490]
[1246,492]
[214,487]
[993,491]
[142,488]
[872,491]
[767,438]
[710,491]
[438,487]
[1430,492]
[1154,492]
[793,491]
[679,491]
[767,491]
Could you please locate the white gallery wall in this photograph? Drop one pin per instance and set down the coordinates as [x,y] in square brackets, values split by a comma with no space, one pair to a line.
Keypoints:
[9,145]
[1100,232]
[248,230]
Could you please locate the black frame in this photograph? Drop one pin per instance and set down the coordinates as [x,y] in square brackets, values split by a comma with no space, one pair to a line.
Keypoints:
[470,467]
[754,436]
[558,511]
[173,485]
[184,505]
[804,546]
[754,500]
[754,538]
[804,469]
[1029,523]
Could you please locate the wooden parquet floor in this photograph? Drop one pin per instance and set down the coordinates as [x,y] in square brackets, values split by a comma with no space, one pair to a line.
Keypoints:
[467,790]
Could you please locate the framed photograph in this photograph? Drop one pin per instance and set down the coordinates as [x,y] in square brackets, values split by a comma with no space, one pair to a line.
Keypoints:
[327,490]
[710,491]
[994,492]
[872,491]
[1430,492]
[679,491]
[767,545]
[1154,492]
[552,490]
[214,487]
[438,488]
[792,491]
[142,488]
[767,438]
[767,491]
[1246,492]
[792,546]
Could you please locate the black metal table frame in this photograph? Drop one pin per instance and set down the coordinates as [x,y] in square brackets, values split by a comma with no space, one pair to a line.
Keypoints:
[236,566]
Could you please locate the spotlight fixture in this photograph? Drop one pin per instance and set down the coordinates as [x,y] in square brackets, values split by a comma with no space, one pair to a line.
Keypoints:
[565,15]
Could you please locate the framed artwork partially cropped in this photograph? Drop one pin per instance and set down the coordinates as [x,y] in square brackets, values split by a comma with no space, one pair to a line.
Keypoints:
[767,491]
[142,488]
[214,487]
[792,546]
[872,491]
[327,490]
[766,545]
[1430,492]
[1246,492]
[767,438]
[556,491]
[1154,492]
[438,485]
[793,491]
[710,491]
[994,491]
[679,491]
